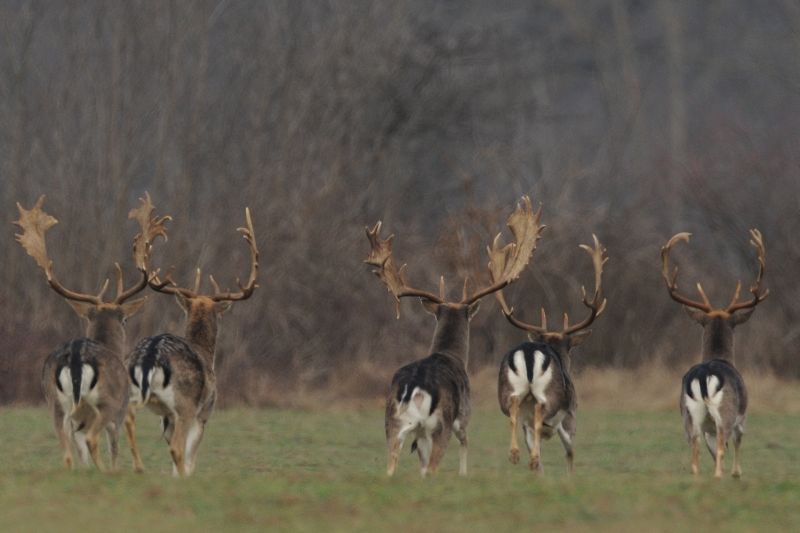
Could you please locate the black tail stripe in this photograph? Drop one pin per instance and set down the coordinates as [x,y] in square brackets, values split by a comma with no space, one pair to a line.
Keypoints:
[702,373]
[148,362]
[529,363]
[76,368]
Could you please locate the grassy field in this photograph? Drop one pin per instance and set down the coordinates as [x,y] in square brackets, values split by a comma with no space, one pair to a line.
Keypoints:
[296,470]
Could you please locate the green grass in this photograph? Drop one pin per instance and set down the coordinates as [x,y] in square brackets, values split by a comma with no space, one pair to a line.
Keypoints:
[293,470]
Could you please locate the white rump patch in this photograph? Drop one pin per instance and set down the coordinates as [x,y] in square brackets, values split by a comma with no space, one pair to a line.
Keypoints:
[65,392]
[714,399]
[88,394]
[518,379]
[540,379]
[415,415]
[165,394]
[696,408]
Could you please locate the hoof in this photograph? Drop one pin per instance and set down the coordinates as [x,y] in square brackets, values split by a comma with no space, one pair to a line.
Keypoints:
[513,456]
[535,465]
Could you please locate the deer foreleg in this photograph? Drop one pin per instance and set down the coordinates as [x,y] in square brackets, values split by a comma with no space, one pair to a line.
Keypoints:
[130,431]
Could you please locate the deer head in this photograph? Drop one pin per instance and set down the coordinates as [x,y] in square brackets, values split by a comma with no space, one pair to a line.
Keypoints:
[203,309]
[718,322]
[104,317]
[524,225]
[453,316]
[570,335]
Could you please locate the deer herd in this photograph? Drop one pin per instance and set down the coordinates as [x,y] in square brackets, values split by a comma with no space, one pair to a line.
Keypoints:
[93,384]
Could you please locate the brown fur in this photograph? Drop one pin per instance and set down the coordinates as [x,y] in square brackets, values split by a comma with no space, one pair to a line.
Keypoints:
[104,346]
[193,382]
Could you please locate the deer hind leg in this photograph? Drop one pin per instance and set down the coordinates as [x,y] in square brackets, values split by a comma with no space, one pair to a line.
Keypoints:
[737,442]
[112,432]
[394,444]
[441,438]
[566,441]
[720,452]
[93,442]
[424,445]
[193,439]
[461,435]
[62,432]
[695,453]
[536,446]
[130,431]
[513,414]
[177,446]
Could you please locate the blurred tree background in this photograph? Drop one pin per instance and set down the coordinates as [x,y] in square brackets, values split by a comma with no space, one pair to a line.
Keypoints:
[627,118]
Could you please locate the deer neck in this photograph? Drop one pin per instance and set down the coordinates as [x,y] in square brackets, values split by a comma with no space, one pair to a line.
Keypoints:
[718,340]
[109,332]
[201,333]
[451,336]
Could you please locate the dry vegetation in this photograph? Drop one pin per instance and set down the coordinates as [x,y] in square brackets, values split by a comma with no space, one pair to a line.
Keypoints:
[629,119]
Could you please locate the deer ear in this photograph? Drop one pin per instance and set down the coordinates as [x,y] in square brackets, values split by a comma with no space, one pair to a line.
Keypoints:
[741,317]
[697,315]
[134,306]
[473,309]
[82,308]
[429,306]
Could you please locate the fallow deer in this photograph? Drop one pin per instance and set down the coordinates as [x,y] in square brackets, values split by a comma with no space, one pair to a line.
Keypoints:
[84,381]
[535,383]
[174,376]
[713,395]
[430,398]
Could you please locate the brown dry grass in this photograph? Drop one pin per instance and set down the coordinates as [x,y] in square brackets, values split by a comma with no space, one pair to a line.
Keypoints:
[654,387]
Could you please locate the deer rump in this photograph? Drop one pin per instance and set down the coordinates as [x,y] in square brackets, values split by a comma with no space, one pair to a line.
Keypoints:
[534,372]
[428,393]
[74,368]
[709,389]
[153,364]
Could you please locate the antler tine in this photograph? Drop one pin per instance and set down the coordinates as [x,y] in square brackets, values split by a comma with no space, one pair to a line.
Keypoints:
[214,284]
[507,263]
[757,241]
[672,279]
[245,291]
[380,257]
[597,304]
[120,285]
[102,290]
[198,274]
[508,312]
[168,286]
[514,321]
[151,228]
[703,295]
[34,223]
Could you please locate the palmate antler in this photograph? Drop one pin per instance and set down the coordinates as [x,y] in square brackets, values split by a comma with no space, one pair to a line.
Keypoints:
[671,279]
[524,224]
[245,291]
[35,222]
[596,305]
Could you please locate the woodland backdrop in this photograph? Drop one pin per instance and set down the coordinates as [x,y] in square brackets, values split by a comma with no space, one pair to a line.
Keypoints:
[626,118]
